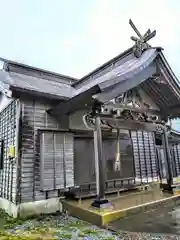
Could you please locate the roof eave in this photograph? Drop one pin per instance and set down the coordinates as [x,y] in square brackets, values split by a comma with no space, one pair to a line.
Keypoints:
[104,66]
[169,75]
[78,102]
[16,90]
[9,63]
[5,90]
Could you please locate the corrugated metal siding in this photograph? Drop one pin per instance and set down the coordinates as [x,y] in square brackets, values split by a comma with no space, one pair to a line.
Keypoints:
[8,134]
[161,161]
[144,156]
[34,117]
[47,164]
[56,161]
[176,158]
[69,159]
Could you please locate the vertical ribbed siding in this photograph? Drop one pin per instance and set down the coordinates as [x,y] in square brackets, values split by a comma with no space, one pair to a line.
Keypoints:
[56,160]
[176,155]
[34,117]
[161,161]
[8,134]
[47,180]
[59,165]
[69,160]
[144,156]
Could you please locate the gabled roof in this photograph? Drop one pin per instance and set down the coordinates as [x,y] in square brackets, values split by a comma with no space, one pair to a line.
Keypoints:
[118,75]
[104,68]
[12,66]
[22,78]
[34,85]
[127,72]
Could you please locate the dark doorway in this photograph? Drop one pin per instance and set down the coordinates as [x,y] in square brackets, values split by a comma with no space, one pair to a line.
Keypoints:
[83,160]
[84,163]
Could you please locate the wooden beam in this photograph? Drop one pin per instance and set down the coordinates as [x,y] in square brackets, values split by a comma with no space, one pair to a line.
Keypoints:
[129,124]
[115,87]
[138,109]
[78,102]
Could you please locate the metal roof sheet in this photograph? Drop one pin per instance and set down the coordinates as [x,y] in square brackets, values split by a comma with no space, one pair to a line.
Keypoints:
[128,73]
[121,72]
[40,85]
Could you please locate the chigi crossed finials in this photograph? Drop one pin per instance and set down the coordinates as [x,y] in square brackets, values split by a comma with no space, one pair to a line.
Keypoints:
[141,42]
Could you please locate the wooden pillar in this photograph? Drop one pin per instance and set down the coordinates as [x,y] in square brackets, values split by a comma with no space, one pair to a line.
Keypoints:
[96,162]
[100,201]
[99,160]
[167,158]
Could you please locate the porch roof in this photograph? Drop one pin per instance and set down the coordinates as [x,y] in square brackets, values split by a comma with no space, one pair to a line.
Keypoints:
[123,74]
[174,136]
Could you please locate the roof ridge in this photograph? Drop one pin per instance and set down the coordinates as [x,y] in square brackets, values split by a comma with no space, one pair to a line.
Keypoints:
[36,69]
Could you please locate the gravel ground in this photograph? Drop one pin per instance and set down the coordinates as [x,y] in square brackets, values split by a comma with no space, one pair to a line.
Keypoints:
[65,227]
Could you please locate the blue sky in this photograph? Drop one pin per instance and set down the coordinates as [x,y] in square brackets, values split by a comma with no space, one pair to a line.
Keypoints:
[73,37]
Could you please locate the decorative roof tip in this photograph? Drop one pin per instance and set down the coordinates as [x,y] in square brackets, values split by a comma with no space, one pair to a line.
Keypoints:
[141,42]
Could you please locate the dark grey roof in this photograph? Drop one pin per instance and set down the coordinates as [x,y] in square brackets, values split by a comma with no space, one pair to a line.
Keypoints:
[104,68]
[173,131]
[123,70]
[28,83]
[13,66]
[114,77]
[126,76]
[127,73]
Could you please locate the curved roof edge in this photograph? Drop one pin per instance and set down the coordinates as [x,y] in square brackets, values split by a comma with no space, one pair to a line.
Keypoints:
[175,131]
[104,66]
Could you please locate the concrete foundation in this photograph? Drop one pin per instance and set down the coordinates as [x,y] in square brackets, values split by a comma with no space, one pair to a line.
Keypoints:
[98,217]
[31,208]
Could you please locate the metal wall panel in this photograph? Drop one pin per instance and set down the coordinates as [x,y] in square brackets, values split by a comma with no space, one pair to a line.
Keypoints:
[34,118]
[8,134]
[59,161]
[176,159]
[145,161]
[47,164]
[56,161]
[69,159]
[161,161]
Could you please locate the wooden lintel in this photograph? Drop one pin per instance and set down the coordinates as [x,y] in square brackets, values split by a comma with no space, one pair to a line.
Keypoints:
[130,124]
[138,109]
